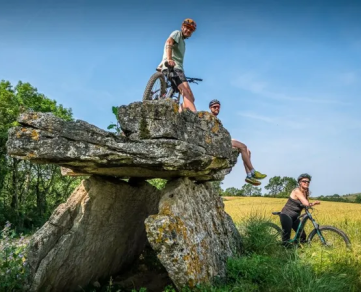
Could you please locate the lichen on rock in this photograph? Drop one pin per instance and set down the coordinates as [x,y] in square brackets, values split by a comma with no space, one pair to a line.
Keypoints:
[192,234]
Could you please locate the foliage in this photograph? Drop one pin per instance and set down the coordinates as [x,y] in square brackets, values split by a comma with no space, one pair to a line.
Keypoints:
[280,187]
[247,190]
[217,187]
[338,198]
[116,126]
[13,265]
[159,183]
[28,192]
[229,192]
[358,199]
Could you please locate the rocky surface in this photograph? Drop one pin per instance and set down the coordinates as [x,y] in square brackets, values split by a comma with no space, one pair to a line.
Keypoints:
[98,232]
[158,142]
[192,233]
[105,224]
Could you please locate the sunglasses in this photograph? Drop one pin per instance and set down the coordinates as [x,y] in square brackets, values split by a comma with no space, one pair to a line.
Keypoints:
[190,27]
[215,106]
[305,181]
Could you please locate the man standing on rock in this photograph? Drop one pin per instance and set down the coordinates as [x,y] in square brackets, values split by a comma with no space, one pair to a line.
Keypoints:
[252,174]
[174,50]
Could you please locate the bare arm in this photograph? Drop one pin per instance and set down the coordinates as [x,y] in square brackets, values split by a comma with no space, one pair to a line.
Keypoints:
[169,48]
[300,196]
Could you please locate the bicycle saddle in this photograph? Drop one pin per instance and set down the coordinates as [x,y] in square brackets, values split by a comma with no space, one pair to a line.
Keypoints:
[276,213]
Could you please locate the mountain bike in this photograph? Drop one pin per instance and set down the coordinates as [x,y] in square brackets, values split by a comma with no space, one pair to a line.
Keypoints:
[323,235]
[161,85]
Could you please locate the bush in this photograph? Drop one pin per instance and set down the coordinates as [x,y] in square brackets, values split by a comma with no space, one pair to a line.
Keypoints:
[13,266]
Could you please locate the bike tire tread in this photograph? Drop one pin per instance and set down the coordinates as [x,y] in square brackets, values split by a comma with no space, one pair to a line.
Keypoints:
[150,84]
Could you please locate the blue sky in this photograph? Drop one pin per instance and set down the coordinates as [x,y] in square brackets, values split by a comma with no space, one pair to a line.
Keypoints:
[288,73]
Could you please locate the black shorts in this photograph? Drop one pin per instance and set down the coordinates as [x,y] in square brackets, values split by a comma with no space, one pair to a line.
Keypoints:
[179,77]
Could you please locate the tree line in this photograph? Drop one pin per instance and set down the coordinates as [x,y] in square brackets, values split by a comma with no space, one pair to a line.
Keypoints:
[277,187]
[280,187]
[28,192]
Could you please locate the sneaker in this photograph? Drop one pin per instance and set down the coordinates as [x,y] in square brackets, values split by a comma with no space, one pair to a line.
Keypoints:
[258,175]
[252,181]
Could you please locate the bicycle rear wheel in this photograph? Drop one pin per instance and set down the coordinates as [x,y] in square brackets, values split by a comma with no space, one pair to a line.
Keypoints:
[156,87]
[334,237]
[274,230]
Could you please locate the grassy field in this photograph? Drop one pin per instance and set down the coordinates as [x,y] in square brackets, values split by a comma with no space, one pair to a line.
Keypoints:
[324,269]
[345,216]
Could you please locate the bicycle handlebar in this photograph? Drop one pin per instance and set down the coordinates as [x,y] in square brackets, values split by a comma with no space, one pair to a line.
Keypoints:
[167,65]
[306,207]
[190,79]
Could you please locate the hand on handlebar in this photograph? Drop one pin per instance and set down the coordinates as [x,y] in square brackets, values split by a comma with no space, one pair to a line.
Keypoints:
[315,203]
[170,63]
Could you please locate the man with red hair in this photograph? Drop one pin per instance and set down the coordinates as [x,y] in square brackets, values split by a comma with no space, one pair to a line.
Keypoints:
[174,50]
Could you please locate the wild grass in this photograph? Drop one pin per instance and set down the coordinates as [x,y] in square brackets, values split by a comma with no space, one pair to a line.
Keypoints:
[306,268]
[265,264]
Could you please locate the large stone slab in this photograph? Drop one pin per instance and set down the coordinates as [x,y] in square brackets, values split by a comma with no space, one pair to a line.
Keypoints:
[192,233]
[161,120]
[158,143]
[98,232]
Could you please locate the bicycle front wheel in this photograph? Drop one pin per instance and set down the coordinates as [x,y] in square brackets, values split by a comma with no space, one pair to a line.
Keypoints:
[332,236]
[156,87]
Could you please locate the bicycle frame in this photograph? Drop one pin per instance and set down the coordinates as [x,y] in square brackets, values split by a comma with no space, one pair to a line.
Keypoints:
[171,84]
[307,216]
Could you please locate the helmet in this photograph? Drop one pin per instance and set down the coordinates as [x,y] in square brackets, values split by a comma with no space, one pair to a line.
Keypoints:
[190,23]
[214,101]
[304,175]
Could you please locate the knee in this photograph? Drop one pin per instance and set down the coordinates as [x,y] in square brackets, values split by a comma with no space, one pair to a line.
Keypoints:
[243,147]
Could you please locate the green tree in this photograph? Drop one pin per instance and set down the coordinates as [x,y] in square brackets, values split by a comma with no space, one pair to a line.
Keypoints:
[280,186]
[28,192]
[358,199]
[288,184]
[217,187]
[274,186]
[233,192]
[249,190]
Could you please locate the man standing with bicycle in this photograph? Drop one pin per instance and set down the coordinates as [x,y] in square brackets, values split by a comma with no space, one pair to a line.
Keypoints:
[174,50]
[252,174]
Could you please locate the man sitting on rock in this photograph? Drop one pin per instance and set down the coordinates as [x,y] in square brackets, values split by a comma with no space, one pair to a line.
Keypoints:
[252,174]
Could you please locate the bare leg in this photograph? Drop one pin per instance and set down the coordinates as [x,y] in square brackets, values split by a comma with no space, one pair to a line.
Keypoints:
[246,155]
[188,98]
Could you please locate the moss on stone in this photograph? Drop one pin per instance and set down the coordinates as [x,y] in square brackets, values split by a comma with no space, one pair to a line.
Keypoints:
[143,125]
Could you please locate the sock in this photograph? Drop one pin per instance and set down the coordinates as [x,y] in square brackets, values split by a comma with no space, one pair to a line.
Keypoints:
[252,172]
[249,174]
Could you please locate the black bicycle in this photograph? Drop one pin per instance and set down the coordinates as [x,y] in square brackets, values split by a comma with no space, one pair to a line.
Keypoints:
[326,235]
[161,86]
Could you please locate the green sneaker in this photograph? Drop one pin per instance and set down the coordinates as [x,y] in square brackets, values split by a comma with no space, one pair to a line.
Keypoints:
[252,181]
[258,175]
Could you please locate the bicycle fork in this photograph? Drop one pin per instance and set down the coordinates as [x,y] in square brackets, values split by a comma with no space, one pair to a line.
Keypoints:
[319,233]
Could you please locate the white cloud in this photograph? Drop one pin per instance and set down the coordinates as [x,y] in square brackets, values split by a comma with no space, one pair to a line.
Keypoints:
[250,82]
